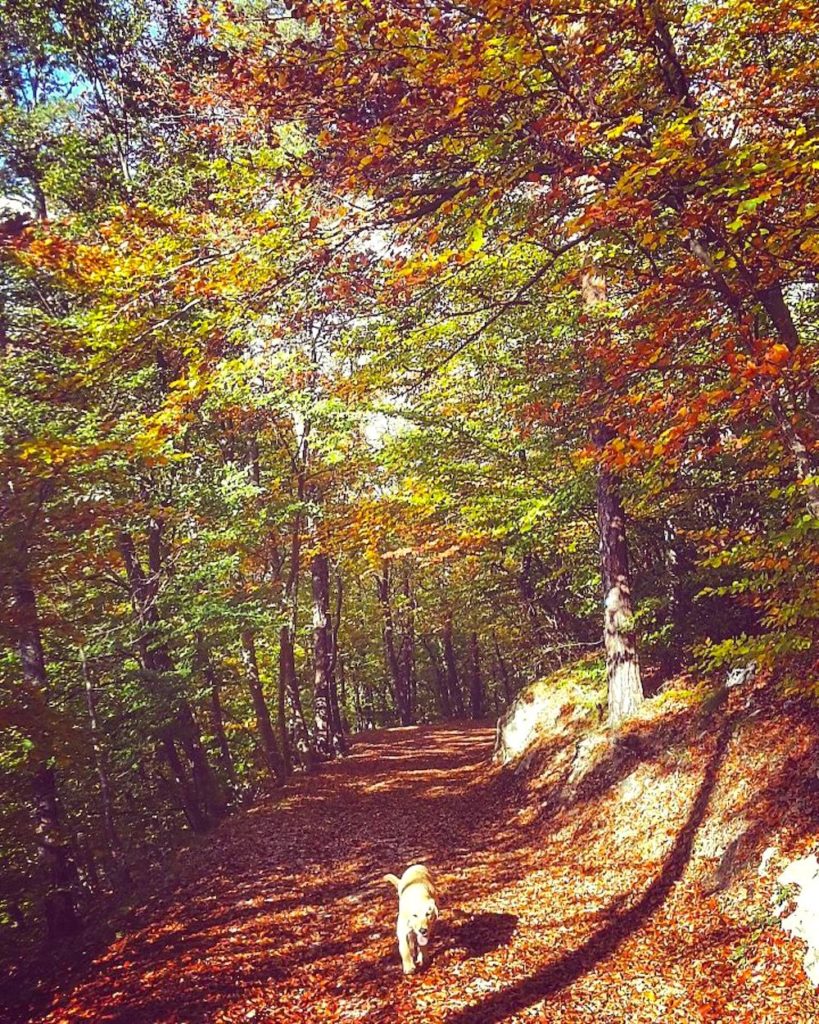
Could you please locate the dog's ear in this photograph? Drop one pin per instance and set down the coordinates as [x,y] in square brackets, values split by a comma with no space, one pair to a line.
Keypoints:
[435,912]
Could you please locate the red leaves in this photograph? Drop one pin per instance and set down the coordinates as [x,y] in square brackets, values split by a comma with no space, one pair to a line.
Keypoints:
[282,919]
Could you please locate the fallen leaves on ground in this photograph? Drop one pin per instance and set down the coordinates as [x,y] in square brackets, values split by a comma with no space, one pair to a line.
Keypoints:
[601,901]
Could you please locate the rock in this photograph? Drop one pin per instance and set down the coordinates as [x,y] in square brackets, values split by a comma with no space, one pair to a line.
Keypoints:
[588,754]
[538,711]
[741,676]
[803,921]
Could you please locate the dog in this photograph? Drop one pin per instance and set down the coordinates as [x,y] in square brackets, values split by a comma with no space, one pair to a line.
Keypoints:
[417,914]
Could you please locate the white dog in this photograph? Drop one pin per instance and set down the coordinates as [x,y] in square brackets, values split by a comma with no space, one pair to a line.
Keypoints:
[417,914]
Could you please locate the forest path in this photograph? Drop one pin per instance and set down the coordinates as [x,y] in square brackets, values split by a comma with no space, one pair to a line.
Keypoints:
[282,915]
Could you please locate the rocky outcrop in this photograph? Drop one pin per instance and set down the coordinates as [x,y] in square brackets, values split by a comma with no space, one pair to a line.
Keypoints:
[538,711]
[803,920]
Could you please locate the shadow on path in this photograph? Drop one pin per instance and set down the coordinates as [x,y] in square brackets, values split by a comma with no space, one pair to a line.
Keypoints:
[561,973]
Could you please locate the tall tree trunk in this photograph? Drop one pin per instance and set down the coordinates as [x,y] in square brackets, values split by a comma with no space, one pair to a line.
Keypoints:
[288,679]
[399,683]
[264,726]
[54,856]
[504,673]
[441,689]
[158,668]
[453,683]
[217,718]
[208,791]
[625,688]
[181,786]
[328,740]
[53,848]
[281,722]
[408,668]
[335,668]
[475,681]
[117,866]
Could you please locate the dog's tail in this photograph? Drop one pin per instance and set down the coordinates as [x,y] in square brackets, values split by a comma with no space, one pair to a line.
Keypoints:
[393,880]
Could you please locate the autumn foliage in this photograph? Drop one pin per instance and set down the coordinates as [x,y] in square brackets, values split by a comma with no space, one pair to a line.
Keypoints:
[361,363]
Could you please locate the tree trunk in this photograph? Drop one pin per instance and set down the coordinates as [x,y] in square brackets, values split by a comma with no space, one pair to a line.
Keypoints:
[157,666]
[272,757]
[504,673]
[441,689]
[207,789]
[475,681]
[288,679]
[408,649]
[328,741]
[217,718]
[335,668]
[53,855]
[399,684]
[53,850]
[117,866]
[181,786]
[625,688]
[455,696]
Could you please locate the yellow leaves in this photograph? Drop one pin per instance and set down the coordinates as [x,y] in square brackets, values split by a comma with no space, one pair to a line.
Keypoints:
[459,106]
[484,90]
[476,237]
[630,122]
[49,452]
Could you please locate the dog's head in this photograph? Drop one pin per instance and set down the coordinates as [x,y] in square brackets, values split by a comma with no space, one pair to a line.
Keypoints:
[422,920]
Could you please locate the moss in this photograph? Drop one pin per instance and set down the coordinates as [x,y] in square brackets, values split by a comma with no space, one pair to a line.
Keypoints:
[586,678]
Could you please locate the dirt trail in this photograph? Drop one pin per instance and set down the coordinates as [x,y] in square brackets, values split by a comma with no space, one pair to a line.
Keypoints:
[284,917]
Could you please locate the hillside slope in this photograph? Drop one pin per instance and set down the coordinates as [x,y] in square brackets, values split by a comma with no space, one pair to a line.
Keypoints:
[608,880]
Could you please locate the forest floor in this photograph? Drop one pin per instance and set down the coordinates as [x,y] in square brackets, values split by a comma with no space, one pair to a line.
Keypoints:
[609,900]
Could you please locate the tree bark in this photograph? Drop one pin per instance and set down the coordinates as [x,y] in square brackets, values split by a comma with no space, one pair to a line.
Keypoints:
[475,680]
[53,848]
[328,740]
[217,718]
[455,696]
[207,790]
[408,647]
[181,786]
[54,856]
[264,726]
[117,865]
[335,668]
[400,685]
[288,679]
[625,688]
[504,673]
[157,666]
[441,689]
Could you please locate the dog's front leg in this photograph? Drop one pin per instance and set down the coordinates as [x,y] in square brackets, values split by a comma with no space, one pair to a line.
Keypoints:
[405,948]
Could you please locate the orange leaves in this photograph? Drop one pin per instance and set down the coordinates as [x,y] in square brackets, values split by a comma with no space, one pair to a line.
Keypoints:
[279,920]
[777,355]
